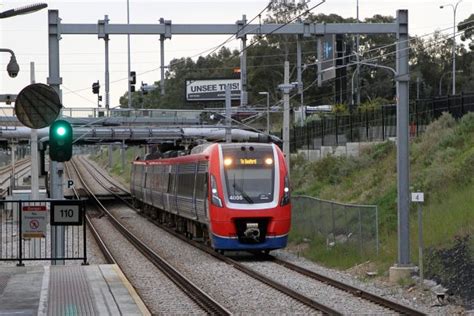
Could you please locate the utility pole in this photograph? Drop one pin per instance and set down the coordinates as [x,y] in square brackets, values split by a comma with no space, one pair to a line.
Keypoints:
[34,166]
[357,61]
[299,74]
[34,149]
[286,87]
[56,168]
[228,120]
[129,66]
[403,266]
[243,64]
[107,75]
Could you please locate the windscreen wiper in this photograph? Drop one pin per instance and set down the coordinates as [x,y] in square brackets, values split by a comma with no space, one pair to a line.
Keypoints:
[244,194]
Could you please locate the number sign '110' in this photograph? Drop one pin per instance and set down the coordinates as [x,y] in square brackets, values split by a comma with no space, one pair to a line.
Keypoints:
[66,213]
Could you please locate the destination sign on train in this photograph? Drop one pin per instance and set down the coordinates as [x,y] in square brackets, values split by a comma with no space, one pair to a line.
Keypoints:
[212,89]
[247,161]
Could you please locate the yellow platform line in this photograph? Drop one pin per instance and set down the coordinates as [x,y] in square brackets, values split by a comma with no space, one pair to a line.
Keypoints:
[133,293]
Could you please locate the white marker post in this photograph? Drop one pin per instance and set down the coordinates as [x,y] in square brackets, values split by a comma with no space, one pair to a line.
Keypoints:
[418,198]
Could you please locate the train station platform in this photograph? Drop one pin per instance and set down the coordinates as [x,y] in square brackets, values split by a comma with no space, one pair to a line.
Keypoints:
[68,290]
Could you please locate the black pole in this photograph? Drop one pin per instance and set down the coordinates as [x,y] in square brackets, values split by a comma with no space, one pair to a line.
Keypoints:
[20,246]
[383,124]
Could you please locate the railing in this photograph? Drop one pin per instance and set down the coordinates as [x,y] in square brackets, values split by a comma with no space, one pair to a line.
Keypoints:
[336,223]
[26,233]
[339,129]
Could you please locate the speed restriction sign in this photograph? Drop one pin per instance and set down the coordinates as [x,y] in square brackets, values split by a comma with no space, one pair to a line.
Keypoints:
[66,213]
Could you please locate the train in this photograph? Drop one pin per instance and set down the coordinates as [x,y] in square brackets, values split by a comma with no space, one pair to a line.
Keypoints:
[231,196]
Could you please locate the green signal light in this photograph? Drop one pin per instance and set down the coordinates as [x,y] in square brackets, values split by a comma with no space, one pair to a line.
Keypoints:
[60,141]
[61,131]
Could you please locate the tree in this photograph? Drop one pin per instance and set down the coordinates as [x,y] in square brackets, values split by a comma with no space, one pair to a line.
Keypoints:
[468,27]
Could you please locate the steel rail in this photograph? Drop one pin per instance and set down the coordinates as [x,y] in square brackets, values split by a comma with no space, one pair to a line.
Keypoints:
[89,164]
[321,278]
[402,309]
[208,304]
[109,258]
[252,273]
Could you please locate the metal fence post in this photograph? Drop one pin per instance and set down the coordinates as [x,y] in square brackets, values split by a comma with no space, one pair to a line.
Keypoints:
[350,126]
[84,243]
[383,124]
[433,107]
[367,125]
[360,231]
[322,131]
[416,117]
[333,223]
[337,130]
[377,229]
[20,228]
[307,136]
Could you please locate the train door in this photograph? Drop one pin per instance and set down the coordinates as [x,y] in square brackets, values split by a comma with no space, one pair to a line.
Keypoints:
[169,189]
[196,169]
[175,187]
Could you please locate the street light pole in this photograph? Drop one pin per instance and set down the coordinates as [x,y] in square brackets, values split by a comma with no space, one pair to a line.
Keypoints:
[370,65]
[268,110]
[455,7]
[129,68]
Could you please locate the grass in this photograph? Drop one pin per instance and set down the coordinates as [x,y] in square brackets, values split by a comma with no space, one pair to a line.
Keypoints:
[102,157]
[441,166]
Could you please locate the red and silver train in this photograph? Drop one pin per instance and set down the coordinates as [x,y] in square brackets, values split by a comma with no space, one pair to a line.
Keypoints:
[234,196]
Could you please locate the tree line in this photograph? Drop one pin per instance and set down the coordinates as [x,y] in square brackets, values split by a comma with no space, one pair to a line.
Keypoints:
[430,65]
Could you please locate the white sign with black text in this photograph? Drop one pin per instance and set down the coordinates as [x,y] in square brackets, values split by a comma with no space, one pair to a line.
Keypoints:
[66,213]
[417,197]
[212,89]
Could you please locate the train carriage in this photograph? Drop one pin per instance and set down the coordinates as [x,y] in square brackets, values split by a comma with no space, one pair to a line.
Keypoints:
[234,196]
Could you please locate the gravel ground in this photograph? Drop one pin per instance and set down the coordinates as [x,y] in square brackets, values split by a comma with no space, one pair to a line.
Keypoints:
[213,275]
[159,294]
[423,300]
[107,179]
[334,298]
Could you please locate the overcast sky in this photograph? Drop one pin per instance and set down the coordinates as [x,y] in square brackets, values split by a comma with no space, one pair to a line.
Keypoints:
[82,57]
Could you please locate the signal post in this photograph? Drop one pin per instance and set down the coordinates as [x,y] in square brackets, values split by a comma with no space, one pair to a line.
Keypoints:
[60,150]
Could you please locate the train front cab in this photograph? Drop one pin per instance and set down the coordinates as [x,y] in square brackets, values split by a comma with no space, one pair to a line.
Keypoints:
[249,194]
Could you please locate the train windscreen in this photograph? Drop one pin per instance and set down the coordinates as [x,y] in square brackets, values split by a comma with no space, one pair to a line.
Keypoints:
[249,174]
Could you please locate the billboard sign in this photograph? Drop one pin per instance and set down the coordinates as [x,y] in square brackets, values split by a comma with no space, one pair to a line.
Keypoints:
[327,57]
[212,89]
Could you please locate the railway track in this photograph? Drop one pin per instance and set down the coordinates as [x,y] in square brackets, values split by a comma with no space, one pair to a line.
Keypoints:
[357,292]
[109,258]
[402,309]
[209,305]
[21,168]
[268,281]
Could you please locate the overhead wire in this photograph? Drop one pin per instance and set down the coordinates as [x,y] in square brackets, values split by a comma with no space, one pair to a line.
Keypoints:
[334,59]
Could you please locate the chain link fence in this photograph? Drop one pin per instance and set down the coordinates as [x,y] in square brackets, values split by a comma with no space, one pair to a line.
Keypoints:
[336,223]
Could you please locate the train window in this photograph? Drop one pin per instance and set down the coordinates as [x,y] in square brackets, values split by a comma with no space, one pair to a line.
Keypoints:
[170,182]
[164,180]
[186,184]
[249,174]
[201,186]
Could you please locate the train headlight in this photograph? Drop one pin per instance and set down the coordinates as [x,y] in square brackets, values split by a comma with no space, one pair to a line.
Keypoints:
[215,199]
[269,161]
[227,161]
[286,192]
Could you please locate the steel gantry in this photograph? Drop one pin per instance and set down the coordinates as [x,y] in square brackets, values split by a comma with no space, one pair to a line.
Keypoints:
[165,29]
